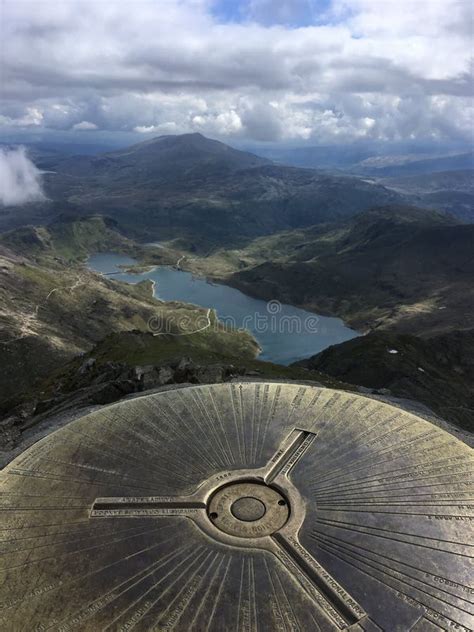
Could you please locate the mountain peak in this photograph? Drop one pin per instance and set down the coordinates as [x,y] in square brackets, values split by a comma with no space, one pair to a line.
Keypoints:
[165,159]
[186,153]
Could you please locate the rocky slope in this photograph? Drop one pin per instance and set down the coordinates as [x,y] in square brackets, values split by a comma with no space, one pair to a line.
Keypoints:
[130,362]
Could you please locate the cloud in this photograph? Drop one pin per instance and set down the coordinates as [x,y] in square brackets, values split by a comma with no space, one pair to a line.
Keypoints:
[263,122]
[20,180]
[85,126]
[254,69]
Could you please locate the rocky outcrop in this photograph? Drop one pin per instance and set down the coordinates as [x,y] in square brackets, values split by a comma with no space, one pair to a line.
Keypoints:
[93,384]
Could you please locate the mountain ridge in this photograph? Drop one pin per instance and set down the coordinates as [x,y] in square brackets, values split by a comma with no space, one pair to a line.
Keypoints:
[214,195]
[186,153]
[402,268]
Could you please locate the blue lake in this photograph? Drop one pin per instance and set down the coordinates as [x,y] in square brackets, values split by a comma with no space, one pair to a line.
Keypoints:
[285,333]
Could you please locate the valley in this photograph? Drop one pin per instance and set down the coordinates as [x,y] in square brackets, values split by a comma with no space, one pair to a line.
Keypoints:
[217,233]
[285,333]
[72,338]
[54,308]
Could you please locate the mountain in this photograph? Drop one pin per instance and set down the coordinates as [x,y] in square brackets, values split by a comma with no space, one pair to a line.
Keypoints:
[200,190]
[451,191]
[318,156]
[413,164]
[426,177]
[438,371]
[165,158]
[373,158]
[400,268]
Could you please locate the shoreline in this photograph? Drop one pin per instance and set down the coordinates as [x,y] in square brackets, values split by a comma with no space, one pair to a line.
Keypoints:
[329,333]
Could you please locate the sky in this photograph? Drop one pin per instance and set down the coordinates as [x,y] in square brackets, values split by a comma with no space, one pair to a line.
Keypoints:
[276,71]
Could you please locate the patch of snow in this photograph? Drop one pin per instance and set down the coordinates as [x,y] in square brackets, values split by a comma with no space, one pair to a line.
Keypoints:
[393,351]
[422,370]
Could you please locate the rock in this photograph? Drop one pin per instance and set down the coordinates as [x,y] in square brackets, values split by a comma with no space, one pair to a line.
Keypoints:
[215,373]
[151,376]
[9,432]
[46,404]
[111,371]
[109,393]
[185,371]
[86,366]
[165,376]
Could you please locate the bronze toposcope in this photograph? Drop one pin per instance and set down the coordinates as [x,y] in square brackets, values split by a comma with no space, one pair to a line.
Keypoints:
[247,507]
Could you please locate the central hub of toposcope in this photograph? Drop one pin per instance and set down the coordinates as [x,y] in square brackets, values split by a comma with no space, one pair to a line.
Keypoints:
[248,509]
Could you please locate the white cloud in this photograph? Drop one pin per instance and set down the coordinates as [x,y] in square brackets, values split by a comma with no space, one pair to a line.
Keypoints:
[20,180]
[168,127]
[84,126]
[171,66]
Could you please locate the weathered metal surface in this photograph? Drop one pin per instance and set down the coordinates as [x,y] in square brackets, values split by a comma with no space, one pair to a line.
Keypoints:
[243,507]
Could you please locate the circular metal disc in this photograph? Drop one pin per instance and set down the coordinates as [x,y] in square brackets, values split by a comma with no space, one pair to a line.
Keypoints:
[243,507]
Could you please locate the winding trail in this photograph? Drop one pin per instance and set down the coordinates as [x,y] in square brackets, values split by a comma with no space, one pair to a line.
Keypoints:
[165,333]
[177,264]
[27,320]
[189,333]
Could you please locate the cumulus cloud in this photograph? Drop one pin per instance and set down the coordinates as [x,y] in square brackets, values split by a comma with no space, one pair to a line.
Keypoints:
[20,180]
[325,70]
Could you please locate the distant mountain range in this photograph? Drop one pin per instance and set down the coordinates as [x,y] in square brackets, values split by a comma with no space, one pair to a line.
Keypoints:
[200,189]
[451,191]
[410,165]
[211,194]
[389,160]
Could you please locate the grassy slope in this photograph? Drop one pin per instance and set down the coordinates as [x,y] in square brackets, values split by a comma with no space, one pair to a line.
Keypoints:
[401,268]
[52,307]
[142,349]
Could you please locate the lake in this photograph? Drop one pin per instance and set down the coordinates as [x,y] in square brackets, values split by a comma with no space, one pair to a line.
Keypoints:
[284,332]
